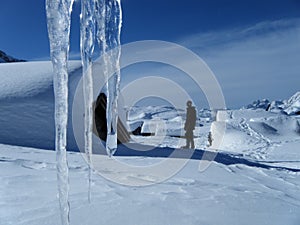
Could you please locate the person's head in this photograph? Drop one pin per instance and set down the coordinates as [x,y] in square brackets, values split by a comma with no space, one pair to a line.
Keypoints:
[189,103]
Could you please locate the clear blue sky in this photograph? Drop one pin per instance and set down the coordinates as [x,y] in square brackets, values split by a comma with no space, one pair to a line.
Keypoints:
[252,46]
[24,32]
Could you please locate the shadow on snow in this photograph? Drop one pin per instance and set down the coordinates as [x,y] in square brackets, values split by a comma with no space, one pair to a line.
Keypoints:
[198,154]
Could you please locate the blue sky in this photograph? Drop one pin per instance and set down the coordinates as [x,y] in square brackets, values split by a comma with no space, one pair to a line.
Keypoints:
[24,31]
[250,45]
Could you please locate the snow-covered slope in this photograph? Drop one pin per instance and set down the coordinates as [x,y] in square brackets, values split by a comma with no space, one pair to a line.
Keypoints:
[28,79]
[27,103]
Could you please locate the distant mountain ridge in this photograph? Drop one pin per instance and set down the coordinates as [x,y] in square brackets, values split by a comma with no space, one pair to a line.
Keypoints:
[289,107]
[4,58]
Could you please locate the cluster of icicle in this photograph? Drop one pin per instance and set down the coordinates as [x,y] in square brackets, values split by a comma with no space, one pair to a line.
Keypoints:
[100,24]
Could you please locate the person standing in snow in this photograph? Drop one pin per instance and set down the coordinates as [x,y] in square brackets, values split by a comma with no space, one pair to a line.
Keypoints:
[190,124]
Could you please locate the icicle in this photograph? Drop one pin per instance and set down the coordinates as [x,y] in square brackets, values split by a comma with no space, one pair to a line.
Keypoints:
[109,21]
[113,30]
[87,43]
[58,21]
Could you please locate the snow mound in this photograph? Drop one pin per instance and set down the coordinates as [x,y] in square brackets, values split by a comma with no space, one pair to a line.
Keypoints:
[254,132]
[286,125]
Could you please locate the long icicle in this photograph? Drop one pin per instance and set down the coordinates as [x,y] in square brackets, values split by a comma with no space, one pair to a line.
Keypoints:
[109,23]
[102,43]
[113,31]
[87,43]
[58,21]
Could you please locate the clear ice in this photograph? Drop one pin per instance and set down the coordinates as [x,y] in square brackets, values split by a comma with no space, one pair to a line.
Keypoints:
[87,45]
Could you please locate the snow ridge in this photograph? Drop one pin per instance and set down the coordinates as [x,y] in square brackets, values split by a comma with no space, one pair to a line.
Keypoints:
[4,58]
[292,106]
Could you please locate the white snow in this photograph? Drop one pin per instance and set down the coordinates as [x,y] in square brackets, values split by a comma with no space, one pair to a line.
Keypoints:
[235,194]
[254,179]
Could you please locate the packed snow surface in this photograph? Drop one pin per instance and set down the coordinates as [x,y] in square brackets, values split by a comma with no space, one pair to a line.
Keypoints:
[222,194]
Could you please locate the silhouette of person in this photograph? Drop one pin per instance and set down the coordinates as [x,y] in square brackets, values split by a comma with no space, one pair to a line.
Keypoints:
[190,124]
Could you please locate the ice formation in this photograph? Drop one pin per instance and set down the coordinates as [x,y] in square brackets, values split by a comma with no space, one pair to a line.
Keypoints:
[100,22]
[58,21]
[109,23]
[87,44]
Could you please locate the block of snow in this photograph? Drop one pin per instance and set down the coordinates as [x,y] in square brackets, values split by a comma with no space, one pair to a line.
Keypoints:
[222,115]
